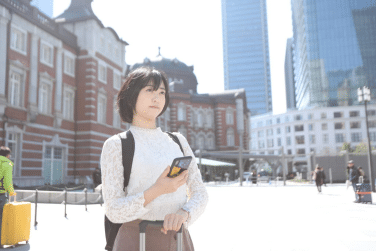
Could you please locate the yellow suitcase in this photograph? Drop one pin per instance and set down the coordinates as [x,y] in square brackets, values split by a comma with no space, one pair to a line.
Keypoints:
[16,222]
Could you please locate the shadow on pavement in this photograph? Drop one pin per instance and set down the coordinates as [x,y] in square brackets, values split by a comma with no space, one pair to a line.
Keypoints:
[19,247]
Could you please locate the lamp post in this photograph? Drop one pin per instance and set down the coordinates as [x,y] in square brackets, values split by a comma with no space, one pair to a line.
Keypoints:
[240,130]
[364,96]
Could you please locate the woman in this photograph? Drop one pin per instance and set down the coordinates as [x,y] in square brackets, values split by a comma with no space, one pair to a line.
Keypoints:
[150,194]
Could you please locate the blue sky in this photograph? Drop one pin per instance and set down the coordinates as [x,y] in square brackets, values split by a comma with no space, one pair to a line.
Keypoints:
[190,31]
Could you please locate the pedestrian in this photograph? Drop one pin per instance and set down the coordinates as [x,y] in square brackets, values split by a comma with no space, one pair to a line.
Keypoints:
[254,177]
[207,176]
[6,183]
[150,194]
[361,174]
[323,176]
[96,177]
[353,177]
[318,178]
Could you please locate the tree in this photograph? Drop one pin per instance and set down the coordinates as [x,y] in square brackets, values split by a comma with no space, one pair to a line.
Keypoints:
[362,147]
[347,147]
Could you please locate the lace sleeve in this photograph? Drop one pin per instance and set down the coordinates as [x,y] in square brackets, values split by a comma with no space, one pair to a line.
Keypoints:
[119,207]
[196,190]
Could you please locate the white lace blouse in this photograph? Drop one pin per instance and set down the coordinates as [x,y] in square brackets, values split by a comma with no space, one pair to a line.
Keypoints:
[154,151]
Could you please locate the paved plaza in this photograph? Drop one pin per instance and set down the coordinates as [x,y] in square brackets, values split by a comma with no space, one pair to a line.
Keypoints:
[264,217]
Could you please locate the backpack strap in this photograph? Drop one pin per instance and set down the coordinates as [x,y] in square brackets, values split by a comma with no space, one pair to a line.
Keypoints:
[128,150]
[176,140]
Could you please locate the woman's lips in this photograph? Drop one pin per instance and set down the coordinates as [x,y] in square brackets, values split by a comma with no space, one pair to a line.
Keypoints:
[155,107]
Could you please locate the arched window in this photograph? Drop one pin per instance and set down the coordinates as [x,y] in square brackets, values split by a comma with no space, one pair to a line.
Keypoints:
[201,141]
[209,119]
[210,142]
[230,137]
[182,130]
[192,142]
[200,119]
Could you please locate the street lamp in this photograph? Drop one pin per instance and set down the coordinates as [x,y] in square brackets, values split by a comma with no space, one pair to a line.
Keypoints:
[364,96]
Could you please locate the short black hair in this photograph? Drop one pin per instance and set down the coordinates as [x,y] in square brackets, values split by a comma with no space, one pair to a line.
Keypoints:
[4,151]
[135,81]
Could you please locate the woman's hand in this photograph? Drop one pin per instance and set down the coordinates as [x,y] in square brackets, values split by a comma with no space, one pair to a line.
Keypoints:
[170,185]
[174,221]
[164,185]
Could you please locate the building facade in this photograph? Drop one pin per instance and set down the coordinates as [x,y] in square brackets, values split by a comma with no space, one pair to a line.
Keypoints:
[334,51]
[246,52]
[320,130]
[289,75]
[59,79]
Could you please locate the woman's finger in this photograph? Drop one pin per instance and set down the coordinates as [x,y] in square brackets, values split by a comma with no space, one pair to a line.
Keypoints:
[175,223]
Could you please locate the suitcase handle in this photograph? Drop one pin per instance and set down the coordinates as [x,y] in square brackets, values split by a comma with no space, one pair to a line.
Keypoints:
[10,198]
[143,225]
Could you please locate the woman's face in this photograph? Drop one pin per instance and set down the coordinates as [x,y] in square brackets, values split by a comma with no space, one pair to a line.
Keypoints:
[150,103]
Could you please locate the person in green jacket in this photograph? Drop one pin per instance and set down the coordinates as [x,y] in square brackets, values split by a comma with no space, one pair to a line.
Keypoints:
[6,184]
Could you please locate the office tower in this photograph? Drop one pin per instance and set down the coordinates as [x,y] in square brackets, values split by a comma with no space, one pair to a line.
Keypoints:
[246,53]
[334,51]
[46,6]
[289,75]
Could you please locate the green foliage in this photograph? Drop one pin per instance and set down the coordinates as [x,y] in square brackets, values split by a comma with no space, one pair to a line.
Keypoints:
[362,147]
[347,147]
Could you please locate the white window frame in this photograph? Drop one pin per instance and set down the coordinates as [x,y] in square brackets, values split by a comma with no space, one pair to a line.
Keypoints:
[356,139]
[13,46]
[115,84]
[209,119]
[69,112]
[211,142]
[200,119]
[288,141]
[182,130]
[325,138]
[42,58]
[21,93]
[181,112]
[102,80]
[68,55]
[201,142]
[101,118]
[48,84]
[229,117]
[230,137]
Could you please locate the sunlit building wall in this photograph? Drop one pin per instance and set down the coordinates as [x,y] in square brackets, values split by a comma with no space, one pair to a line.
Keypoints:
[246,52]
[334,51]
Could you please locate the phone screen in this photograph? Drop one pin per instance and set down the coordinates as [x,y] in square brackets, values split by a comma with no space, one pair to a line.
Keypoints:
[179,165]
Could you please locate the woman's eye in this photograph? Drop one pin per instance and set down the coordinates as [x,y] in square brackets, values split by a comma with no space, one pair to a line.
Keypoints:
[149,90]
[163,93]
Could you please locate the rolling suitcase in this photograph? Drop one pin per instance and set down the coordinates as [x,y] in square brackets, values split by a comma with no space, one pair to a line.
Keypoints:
[364,191]
[16,222]
[143,226]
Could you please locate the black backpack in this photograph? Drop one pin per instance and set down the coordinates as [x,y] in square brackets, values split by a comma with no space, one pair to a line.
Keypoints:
[128,150]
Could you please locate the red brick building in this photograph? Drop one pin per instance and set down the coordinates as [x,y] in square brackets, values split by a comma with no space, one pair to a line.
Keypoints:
[58,84]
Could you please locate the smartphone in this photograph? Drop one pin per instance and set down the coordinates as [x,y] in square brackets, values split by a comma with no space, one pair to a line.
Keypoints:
[179,165]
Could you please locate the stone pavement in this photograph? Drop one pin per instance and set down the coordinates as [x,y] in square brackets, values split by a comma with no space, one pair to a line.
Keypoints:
[265,217]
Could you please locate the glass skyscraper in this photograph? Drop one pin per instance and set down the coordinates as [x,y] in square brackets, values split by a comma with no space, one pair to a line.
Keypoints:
[334,51]
[246,53]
